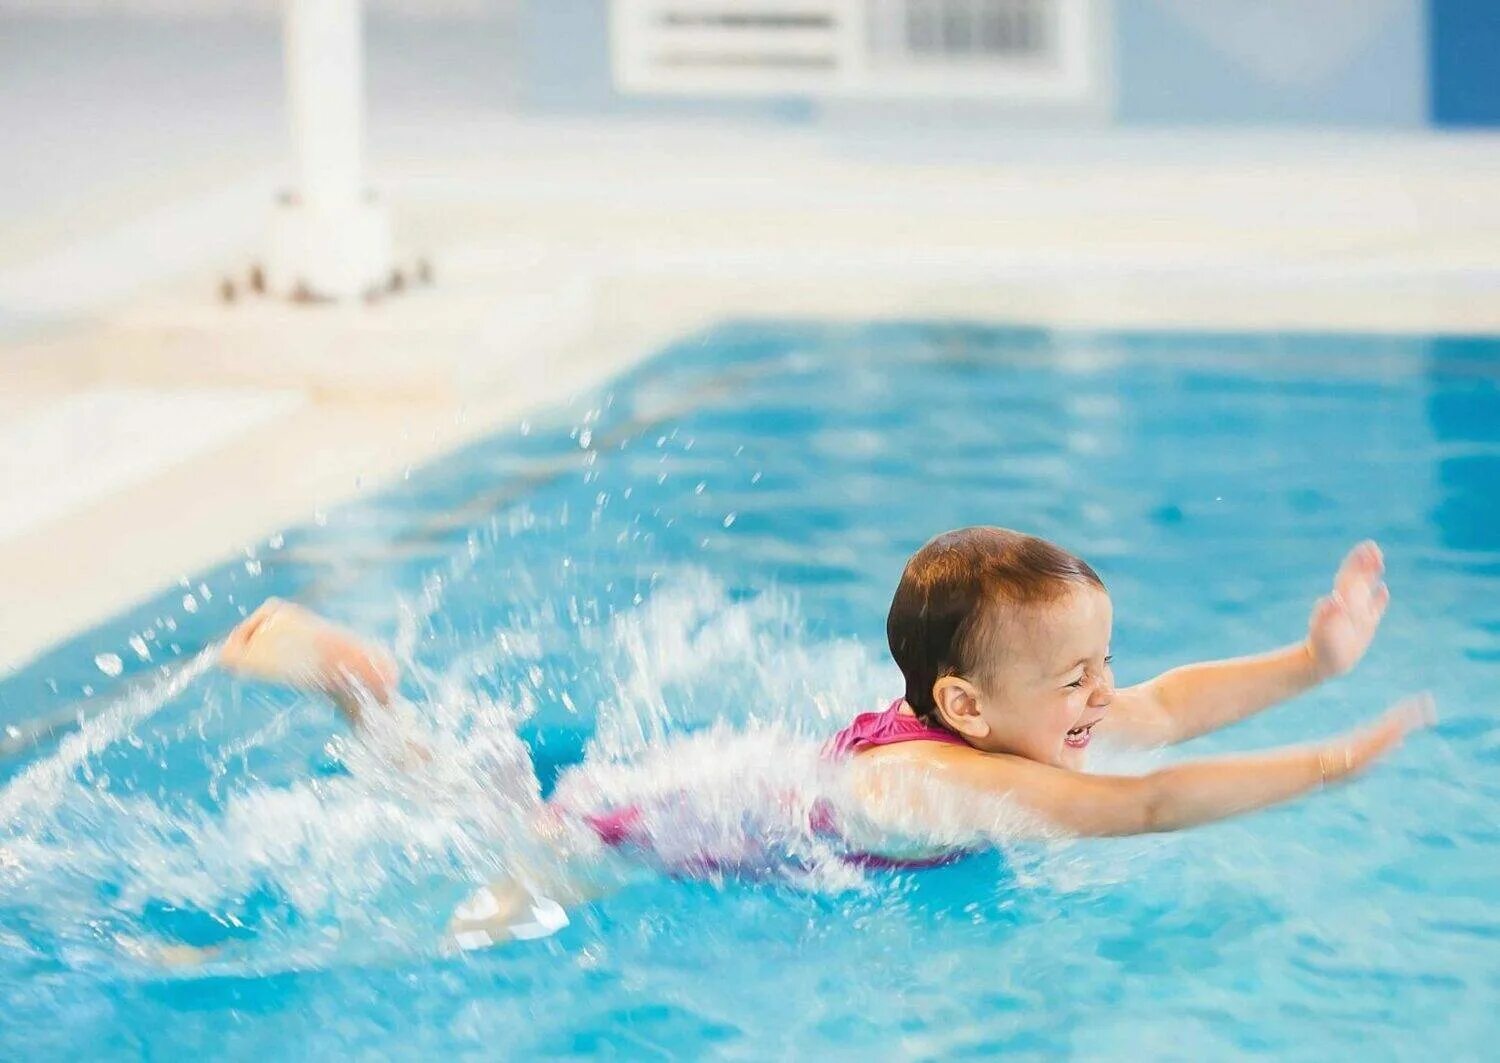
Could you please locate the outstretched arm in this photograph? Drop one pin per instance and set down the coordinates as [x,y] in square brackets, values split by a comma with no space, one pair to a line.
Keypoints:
[1198,698]
[1171,798]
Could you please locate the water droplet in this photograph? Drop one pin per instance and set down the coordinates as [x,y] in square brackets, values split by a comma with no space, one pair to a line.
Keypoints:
[252,567]
[170,623]
[277,541]
[585,438]
[204,593]
[729,518]
[702,486]
[526,428]
[110,664]
[755,479]
[138,644]
[320,518]
[189,604]
[12,731]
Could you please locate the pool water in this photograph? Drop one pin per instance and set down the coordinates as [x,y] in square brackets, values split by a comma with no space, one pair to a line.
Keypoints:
[714,537]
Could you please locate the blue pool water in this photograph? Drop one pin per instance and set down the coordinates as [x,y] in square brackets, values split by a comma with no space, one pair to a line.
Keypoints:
[715,536]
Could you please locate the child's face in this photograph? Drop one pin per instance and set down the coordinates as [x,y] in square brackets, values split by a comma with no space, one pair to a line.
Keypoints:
[1053,682]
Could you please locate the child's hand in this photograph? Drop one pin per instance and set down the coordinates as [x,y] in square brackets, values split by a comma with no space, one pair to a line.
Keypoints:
[1344,622]
[1359,749]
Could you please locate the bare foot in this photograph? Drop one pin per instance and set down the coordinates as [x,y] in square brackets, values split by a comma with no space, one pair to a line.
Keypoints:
[284,643]
[175,956]
[504,911]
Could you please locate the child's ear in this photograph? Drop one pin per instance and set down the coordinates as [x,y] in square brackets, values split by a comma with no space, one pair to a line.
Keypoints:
[958,706]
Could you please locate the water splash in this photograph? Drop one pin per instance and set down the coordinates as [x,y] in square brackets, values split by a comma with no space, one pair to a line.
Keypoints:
[368,853]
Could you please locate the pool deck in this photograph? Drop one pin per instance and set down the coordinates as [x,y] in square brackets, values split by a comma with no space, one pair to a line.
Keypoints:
[564,251]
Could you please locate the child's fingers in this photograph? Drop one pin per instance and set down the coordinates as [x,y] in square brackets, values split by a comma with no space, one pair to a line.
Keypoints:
[1408,715]
[1326,606]
[1361,567]
[1386,734]
[1417,711]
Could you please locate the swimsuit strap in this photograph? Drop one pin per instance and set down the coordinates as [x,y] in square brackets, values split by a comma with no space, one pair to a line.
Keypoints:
[886,728]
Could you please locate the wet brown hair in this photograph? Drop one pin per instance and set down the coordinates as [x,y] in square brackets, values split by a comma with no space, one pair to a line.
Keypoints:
[943,618]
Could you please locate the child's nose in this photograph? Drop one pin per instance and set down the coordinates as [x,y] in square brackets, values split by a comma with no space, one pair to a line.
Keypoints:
[1103,694]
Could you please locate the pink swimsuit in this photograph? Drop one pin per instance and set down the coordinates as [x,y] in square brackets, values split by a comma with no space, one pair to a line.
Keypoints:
[886,728]
[623,827]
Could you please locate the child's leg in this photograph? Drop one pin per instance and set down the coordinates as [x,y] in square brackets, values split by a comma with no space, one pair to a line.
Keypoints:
[285,643]
[532,902]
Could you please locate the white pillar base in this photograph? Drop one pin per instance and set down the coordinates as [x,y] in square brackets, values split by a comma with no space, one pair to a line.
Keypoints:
[327,252]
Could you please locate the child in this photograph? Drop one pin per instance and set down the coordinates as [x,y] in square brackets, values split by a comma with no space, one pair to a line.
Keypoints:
[1003,640]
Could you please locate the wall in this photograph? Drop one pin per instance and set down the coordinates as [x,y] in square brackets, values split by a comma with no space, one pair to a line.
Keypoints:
[1464,51]
[1361,63]
[1323,62]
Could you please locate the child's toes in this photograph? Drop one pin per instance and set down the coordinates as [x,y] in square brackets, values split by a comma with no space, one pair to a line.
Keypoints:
[245,630]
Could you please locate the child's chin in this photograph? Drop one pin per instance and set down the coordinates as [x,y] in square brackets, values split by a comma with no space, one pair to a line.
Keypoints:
[1073,757]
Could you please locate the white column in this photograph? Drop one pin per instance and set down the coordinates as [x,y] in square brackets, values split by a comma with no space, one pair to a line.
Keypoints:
[325,92]
[330,237]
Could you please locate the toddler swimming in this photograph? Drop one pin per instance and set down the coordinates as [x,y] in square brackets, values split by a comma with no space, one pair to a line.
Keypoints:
[1003,642]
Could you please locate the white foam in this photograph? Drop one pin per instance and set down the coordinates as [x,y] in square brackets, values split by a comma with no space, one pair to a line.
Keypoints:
[358,853]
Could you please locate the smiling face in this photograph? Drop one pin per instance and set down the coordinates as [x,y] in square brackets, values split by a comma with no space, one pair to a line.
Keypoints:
[1046,686]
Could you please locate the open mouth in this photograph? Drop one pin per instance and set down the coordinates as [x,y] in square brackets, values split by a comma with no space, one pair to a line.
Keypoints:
[1079,737]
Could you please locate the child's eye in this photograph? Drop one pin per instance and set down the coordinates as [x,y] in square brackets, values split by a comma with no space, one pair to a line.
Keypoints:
[1075,684]
[1109,660]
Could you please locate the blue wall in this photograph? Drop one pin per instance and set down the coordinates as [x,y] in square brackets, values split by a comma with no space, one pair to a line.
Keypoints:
[1464,46]
[1254,62]
[1371,63]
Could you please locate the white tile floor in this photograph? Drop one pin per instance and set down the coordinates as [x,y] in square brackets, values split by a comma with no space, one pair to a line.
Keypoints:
[58,456]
